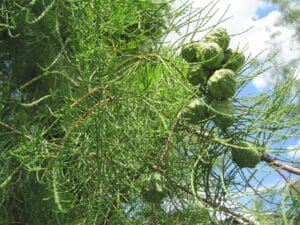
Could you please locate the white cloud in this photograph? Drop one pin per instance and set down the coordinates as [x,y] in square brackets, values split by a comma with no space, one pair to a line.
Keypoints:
[261,82]
[294,150]
[244,16]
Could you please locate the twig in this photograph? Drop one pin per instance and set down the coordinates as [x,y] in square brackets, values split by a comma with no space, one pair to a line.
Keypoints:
[86,113]
[280,165]
[171,132]
[14,130]
[87,94]
[200,133]
[17,132]
[35,102]
[287,180]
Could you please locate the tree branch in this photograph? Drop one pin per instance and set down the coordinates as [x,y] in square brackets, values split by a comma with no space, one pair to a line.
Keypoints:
[265,158]
[280,165]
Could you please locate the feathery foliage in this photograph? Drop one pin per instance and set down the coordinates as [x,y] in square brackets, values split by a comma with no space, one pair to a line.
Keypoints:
[91,108]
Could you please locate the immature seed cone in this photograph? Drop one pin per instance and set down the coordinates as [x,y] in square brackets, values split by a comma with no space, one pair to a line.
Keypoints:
[196,111]
[222,84]
[223,113]
[210,55]
[234,60]
[190,52]
[197,75]
[245,156]
[220,36]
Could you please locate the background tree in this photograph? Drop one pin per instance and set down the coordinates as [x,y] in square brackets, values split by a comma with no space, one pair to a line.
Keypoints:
[92,119]
[290,17]
[290,14]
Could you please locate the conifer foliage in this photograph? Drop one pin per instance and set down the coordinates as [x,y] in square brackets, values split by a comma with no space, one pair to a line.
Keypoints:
[102,121]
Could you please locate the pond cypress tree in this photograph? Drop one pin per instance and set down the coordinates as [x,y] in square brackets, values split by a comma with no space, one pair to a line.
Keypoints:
[93,118]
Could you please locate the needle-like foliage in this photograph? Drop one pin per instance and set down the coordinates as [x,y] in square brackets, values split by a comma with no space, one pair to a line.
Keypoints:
[92,101]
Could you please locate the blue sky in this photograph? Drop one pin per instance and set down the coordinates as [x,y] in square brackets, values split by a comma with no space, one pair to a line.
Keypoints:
[265,10]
